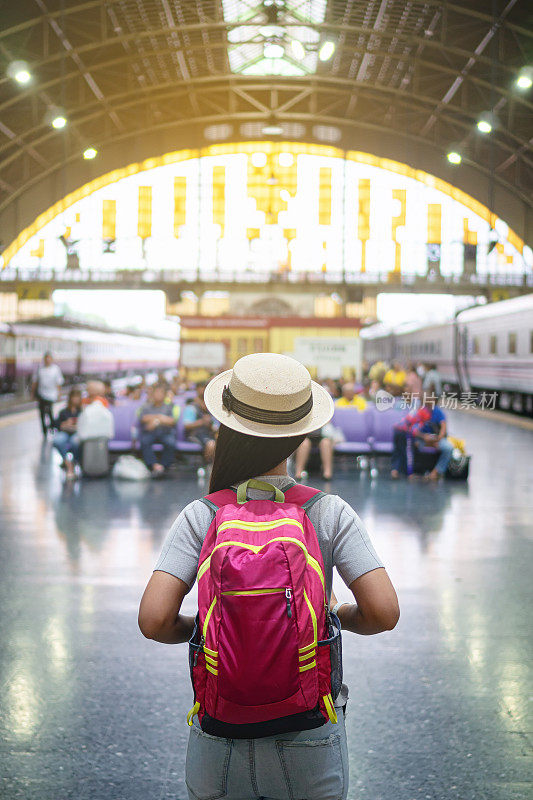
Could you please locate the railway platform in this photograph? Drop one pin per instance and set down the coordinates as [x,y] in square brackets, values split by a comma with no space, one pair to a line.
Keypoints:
[440,708]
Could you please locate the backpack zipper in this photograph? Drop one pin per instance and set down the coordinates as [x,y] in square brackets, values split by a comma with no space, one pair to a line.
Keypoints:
[200,647]
[255,591]
[251,592]
[288,595]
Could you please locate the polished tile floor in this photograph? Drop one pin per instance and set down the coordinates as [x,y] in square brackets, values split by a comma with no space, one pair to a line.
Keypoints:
[440,708]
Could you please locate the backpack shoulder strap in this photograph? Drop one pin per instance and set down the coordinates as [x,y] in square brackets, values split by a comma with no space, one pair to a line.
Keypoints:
[303,496]
[216,500]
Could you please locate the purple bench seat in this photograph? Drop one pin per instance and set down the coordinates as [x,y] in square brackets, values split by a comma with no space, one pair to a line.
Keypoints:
[357,429]
[125,418]
[384,422]
[182,444]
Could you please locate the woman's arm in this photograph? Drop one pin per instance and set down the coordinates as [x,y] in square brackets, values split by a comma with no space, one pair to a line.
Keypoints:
[376,608]
[159,612]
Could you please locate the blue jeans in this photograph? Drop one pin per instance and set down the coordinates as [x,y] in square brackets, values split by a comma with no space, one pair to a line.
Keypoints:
[163,436]
[402,452]
[66,443]
[289,766]
[445,449]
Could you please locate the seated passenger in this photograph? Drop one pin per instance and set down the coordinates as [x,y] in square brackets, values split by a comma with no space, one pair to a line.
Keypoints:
[109,393]
[66,440]
[133,391]
[428,425]
[376,373]
[95,392]
[394,379]
[324,436]
[332,387]
[199,424]
[350,399]
[158,419]
[325,447]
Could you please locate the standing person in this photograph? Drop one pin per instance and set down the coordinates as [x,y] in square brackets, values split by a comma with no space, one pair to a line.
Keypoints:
[66,440]
[45,389]
[432,381]
[198,424]
[158,426]
[266,406]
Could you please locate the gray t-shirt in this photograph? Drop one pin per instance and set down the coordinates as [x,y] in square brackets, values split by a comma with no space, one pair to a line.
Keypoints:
[343,539]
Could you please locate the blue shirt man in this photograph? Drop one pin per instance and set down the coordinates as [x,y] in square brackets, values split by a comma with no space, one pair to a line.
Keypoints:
[158,426]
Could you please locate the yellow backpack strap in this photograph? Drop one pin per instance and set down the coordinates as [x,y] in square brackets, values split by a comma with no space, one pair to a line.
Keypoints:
[192,713]
[253,483]
[330,708]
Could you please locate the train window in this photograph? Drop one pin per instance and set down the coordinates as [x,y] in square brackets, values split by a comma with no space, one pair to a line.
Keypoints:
[512,344]
[475,345]
[493,348]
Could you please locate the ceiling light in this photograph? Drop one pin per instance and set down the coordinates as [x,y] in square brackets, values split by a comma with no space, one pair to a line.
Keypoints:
[523,82]
[484,126]
[298,50]
[59,122]
[19,71]
[259,159]
[525,78]
[326,51]
[23,76]
[90,153]
[272,50]
[454,157]
[272,129]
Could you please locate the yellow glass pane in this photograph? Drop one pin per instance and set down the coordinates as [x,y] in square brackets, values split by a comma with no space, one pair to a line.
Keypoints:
[144,221]
[109,219]
[434,223]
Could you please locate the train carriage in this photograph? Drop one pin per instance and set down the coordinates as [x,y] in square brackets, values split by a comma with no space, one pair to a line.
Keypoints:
[484,349]
[81,352]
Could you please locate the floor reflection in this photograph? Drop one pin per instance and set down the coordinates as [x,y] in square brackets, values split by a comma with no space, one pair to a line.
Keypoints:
[89,709]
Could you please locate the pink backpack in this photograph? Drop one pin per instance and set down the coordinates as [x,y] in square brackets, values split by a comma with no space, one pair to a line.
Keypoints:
[265,656]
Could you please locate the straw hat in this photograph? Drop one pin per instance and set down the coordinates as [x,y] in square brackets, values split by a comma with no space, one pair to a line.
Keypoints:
[268,395]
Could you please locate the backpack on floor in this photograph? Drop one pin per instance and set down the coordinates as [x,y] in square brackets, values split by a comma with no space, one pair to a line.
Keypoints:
[95,457]
[265,656]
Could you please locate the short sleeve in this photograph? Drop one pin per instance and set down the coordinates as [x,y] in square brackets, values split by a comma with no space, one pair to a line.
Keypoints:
[60,378]
[352,551]
[439,415]
[183,543]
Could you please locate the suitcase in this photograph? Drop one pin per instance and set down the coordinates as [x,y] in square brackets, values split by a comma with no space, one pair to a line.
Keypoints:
[95,457]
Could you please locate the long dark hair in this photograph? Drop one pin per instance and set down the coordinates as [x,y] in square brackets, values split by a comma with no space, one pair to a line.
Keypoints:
[239,456]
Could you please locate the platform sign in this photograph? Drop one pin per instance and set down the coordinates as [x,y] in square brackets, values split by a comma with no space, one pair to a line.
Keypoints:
[203,355]
[329,355]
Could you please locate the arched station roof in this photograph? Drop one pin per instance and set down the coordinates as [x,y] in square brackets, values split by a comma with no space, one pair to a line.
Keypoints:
[408,79]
